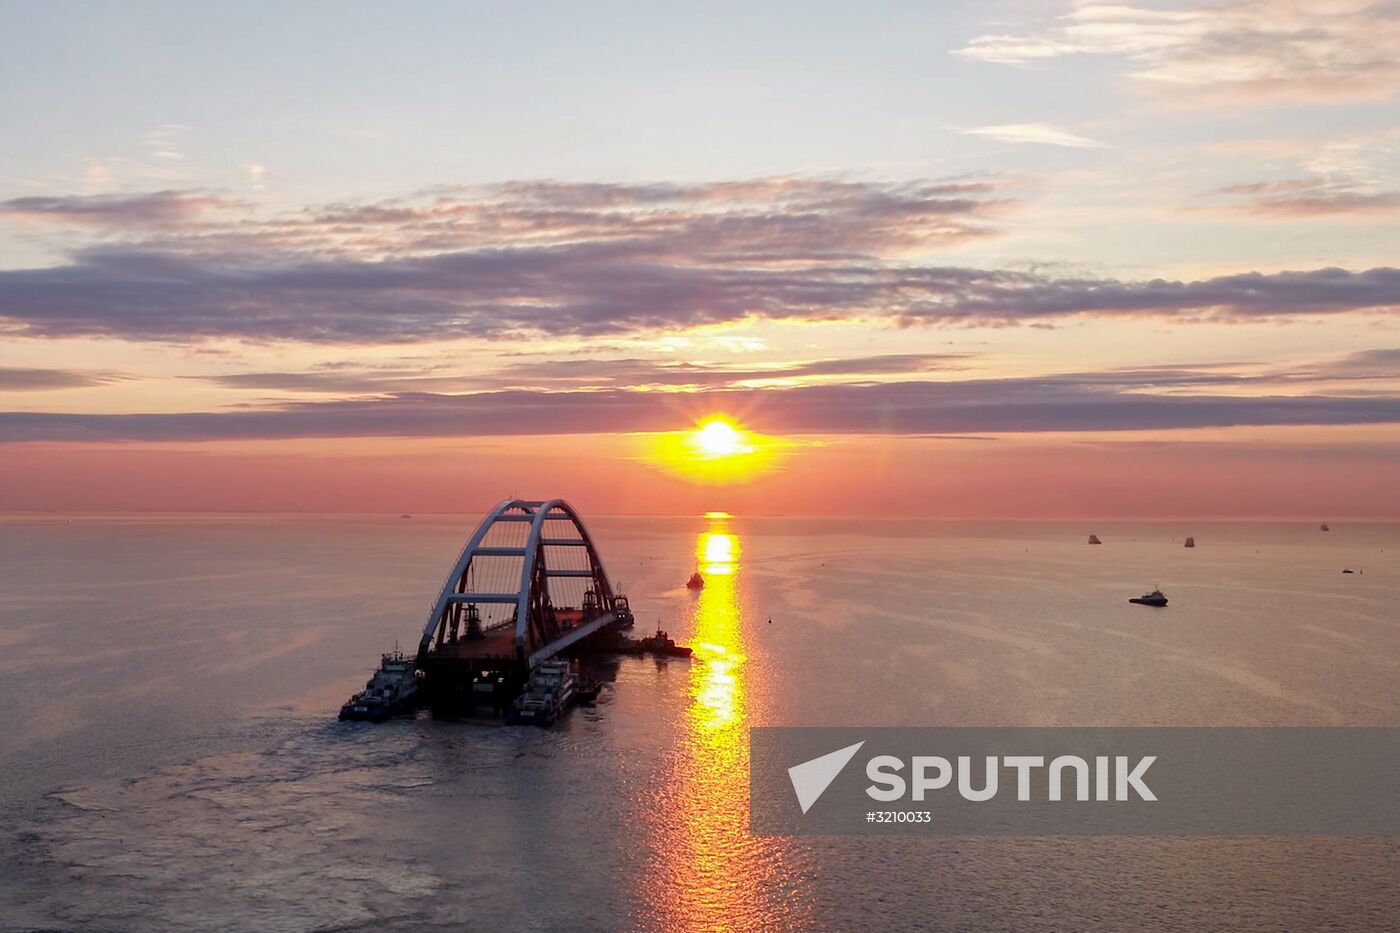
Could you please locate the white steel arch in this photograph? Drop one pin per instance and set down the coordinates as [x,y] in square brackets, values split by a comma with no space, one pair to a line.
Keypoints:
[534,640]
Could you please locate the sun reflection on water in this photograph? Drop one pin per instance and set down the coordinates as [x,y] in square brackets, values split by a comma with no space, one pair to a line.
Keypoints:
[714,875]
[718,553]
[716,683]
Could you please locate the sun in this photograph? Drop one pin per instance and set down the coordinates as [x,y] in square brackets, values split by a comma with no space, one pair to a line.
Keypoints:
[718,438]
[718,450]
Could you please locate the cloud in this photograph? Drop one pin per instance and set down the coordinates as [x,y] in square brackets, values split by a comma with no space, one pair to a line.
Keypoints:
[20,379]
[630,373]
[354,381]
[1378,365]
[116,211]
[639,373]
[1113,402]
[1383,362]
[1274,51]
[1006,297]
[1034,133]
[528,259]
[1307,198]
[257,175]
[163,142]
[871,365]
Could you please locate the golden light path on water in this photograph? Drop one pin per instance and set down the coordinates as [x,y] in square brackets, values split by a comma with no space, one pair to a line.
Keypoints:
[716,685]
[713,874]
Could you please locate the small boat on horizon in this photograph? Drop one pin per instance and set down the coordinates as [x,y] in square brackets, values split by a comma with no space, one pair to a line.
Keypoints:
[1155,598]
[696,582]
[1190,542]
[1324,527]
[1094,539]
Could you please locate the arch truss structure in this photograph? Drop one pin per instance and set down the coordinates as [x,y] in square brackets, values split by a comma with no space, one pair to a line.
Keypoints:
[529,571]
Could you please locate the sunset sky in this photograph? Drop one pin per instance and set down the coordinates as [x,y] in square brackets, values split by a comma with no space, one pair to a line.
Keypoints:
[1002,259]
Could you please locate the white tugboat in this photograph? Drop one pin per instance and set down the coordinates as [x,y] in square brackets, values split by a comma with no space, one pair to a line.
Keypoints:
[393,689]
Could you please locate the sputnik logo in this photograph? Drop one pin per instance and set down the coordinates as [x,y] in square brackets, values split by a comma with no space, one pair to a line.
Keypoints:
[811,778]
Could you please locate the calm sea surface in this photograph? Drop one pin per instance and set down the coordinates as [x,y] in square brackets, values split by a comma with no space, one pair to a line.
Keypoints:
[171,759]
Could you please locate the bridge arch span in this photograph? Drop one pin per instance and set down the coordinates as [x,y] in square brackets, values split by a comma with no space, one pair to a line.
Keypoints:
[531,571]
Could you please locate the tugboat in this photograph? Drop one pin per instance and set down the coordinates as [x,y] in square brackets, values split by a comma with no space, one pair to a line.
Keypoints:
[1094,539]
[1190,542]
[696,582]
[663,644]
[586,693]
[1155,598]
[550,691]
[659,644]
[623,610]
[393,689]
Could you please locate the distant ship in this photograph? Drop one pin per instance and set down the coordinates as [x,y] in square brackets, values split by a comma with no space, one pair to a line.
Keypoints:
[695,582]
[392,689]
[1190,542]
[1324,527]
[1155,598]
[1094,539]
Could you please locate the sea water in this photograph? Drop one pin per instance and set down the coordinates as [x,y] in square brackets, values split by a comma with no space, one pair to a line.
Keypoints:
[171,756]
